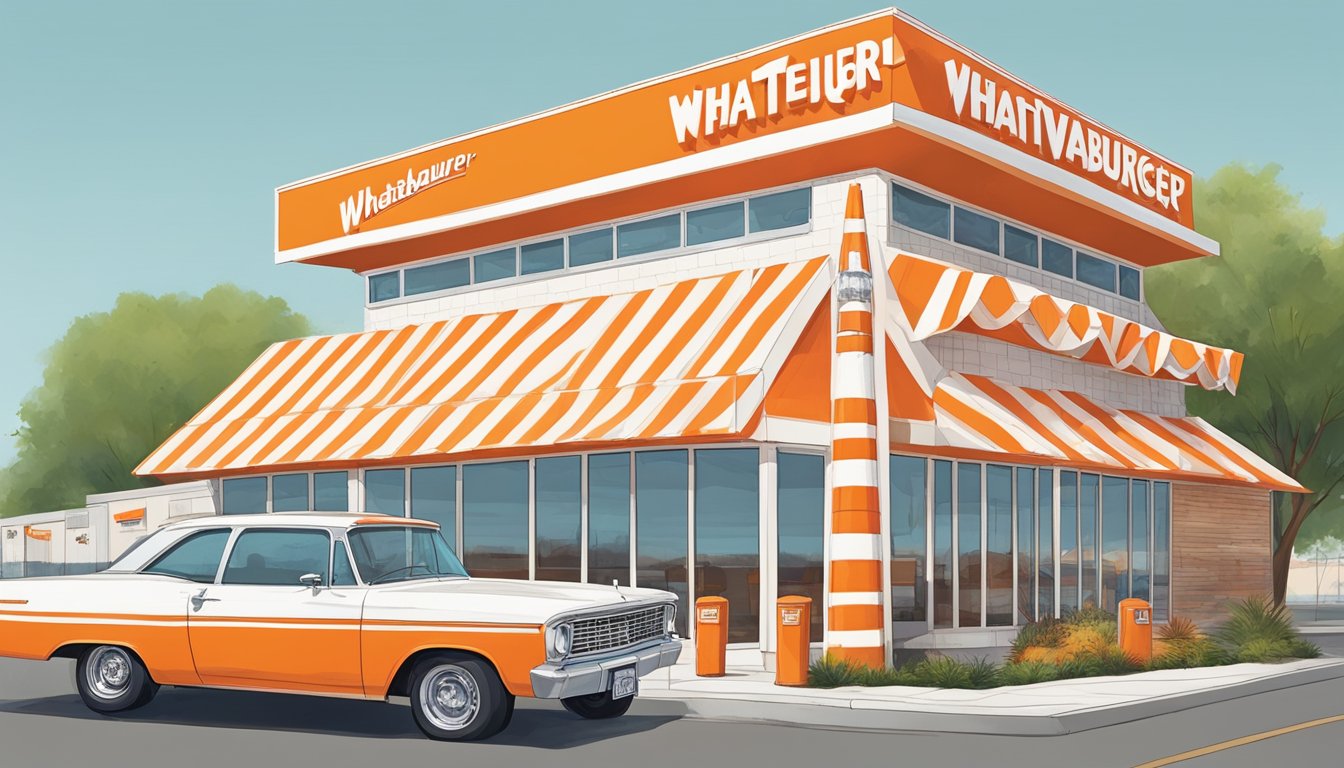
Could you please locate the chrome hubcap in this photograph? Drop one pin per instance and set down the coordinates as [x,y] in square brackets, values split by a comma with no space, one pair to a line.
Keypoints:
[109,672]
[450,697]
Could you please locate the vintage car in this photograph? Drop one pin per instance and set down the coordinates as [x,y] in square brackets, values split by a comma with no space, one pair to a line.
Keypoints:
[349,605]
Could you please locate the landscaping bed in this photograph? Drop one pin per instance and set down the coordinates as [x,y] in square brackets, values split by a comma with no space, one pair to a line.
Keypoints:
[1083,644]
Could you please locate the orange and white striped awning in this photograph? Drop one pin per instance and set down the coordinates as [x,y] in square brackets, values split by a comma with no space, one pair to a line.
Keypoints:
[979,416]
[935,297]
[690,359]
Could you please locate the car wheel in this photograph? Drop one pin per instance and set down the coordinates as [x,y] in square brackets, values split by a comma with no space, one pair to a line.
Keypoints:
[112,679]
[598,706]
[459,699]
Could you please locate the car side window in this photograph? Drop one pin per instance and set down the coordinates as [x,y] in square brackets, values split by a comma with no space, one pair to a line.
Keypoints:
[277,557]
[196,557]
[342,575]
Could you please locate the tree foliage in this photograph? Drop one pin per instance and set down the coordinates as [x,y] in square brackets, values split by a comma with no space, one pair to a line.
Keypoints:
[1277,294]
[121,382]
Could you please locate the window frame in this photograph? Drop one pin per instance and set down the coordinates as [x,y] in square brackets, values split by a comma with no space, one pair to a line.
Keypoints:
[238,533]
[178,543]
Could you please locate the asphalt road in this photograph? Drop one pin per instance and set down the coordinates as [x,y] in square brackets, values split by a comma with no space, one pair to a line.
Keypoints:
[43,723]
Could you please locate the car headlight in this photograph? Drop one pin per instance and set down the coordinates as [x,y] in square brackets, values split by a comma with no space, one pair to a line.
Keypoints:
[562,639]
[670,613]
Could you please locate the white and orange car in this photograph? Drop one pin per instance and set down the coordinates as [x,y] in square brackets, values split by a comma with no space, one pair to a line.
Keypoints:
[338,605]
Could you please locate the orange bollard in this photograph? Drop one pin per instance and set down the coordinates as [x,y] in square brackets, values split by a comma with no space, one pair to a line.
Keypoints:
[711,636]
[1136,629]
[793,633]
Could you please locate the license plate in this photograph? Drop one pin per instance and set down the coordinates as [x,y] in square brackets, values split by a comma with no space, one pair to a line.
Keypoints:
[624,683]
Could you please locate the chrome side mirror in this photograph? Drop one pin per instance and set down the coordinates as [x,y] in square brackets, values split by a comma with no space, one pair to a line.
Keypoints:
[313,580]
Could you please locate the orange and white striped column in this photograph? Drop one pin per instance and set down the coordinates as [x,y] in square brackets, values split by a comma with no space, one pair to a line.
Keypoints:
[854,600]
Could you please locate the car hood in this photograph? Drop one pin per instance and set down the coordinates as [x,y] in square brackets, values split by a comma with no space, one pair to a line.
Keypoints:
[503,601]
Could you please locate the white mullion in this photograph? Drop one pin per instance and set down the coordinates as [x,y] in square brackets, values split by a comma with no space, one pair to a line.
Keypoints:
[956,551]
[1016,554]
[690,540]
[767,468]
[532,519]
[583,503]
[928,543]
[460,517]
[634,529]
[1056,542]
[984,544]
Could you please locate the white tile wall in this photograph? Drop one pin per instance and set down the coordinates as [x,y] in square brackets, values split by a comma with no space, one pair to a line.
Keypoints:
[968,353]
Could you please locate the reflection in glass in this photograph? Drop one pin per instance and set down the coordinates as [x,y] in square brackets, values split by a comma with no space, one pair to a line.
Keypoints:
[942,543]
[780,210]
[434,497]
[661,479]
[1026,546]
[968,545]
[998,560]
[721,222]
[494,519]
[542,257]
[331,491]
[1089,486]
[495,265]
[558,512]
[385,492]
[1114,541]
[908,590]
[1068,542]
[289,493]
[590,247]
[1045,545]
[1138,526]
[728,535]
[438,277]
[384,287]
[1161,550]
[244,495]
[975,230]
[801,500]
[648,235]
[920,212]
[609,518]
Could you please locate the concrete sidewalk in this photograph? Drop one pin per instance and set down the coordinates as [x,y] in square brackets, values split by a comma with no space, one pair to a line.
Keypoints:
[1043,709]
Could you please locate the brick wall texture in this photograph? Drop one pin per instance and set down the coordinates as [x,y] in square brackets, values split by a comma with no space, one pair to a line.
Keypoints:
[1221,548]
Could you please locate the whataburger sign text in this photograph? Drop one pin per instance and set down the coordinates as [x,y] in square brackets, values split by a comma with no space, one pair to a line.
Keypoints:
[845,70]
[1019,118]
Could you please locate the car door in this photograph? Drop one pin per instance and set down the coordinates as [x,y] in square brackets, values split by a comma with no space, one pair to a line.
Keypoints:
[261,627]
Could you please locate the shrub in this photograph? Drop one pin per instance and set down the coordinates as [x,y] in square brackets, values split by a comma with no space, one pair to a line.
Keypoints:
[1199,651]
[1178,629]
[1043,633]
[982,673]
[1028,672]
[830,672]
[942,672]
[1259,630]
[1105,660]
[1090,615]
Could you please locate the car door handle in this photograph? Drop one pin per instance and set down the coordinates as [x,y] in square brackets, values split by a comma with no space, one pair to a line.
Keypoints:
[199,599]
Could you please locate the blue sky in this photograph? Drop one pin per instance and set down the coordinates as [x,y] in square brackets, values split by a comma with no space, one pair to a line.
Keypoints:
[140,143]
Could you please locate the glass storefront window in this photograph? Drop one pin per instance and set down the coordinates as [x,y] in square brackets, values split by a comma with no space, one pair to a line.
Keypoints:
[942,543]
[438,277]
[590,247]
[609,519]
[384,287]
[1096,272]
[1019,245]
[289,493]
[921,212]
[331,491]
[998,556]
[1026,545]
[543,257]
[801,503]
[434,497]
[558,503]
[495,265]
[1045,528]
[1069,559]
[1114,541]
[1056,257]
[722,222]
[780,210]
[975,230]
[1089,487]
[907,475]
[728,535]
[494,519]
[969,567]
[1138,543]
[244,496]
[661,501]
[385,492]
[1161,551]
[649,235]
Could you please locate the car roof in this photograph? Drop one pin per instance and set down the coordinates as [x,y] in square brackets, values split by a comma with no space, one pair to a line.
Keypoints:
[283,519]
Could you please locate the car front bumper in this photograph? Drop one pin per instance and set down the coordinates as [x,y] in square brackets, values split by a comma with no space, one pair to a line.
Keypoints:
[584,676]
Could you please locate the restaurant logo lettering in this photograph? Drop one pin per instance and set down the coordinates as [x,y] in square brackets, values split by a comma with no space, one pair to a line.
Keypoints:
[1065,139]
[781,84]
[365,204]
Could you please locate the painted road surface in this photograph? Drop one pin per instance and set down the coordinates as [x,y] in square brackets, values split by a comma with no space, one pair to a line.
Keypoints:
[43,722]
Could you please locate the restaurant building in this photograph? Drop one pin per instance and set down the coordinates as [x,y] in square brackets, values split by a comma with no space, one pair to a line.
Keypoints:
[856,315]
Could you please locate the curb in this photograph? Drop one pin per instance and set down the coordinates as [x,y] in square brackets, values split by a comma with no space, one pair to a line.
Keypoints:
[859,714]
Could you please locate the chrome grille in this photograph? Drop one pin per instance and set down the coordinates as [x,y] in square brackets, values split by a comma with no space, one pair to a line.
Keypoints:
[606,633]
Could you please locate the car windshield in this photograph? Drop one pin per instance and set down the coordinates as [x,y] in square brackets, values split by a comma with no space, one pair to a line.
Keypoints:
[401,553]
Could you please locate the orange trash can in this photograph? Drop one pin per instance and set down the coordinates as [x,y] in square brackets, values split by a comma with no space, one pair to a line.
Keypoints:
[711,636]
[1136,629]
[793,638]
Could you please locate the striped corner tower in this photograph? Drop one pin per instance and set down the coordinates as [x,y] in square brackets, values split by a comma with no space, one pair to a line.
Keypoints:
[854,601]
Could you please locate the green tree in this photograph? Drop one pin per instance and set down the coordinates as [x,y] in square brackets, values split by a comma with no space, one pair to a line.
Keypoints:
[119,383]
[1277,294]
